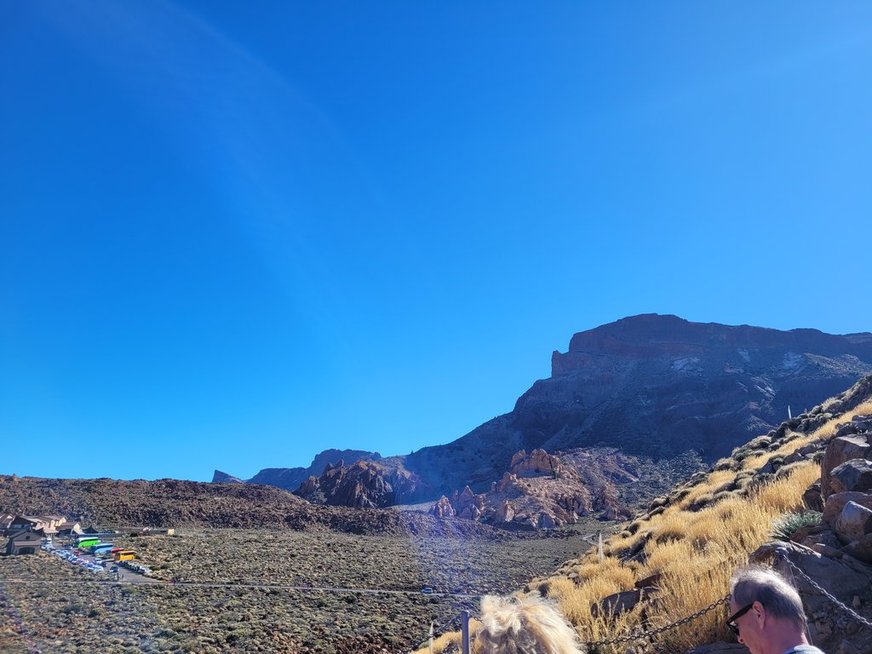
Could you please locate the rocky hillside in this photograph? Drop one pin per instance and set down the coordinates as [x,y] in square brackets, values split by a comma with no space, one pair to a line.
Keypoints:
[545,491]
[174,503]
[655,386]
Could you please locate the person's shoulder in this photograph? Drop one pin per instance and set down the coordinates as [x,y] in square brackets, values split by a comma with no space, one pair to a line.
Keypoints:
[804,649]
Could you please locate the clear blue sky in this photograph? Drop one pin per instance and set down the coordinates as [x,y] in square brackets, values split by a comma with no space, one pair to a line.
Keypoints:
[235,234]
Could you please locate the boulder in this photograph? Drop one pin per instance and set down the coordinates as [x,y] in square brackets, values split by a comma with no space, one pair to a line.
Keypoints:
[858,425]
[505,512]
[853,522]
[836,502]
[839,450]
[651,581]
[860,549]
[853,475]
[547,521]
[443,508]
[618,603]
[815,535]
[812,498]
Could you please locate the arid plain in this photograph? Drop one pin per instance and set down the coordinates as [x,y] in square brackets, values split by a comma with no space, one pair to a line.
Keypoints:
[266,590]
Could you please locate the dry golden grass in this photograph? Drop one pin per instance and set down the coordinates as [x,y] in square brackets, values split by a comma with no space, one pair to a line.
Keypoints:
[757,461]
[695,562]
[694,552]
[828,429]
[713,483]
[616,544]
[786,494]
[672,525]
[862,409]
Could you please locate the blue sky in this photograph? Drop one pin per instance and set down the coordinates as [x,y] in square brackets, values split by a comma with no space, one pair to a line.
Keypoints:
[234,235]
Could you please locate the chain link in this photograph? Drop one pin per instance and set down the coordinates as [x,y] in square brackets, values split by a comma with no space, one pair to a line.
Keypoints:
[656,632]
[782,554]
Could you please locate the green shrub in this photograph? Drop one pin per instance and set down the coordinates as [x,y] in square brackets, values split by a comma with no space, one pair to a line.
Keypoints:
[788,524]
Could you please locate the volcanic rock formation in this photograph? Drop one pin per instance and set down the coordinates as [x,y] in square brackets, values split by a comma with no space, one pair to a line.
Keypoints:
[362,485]
[656,386]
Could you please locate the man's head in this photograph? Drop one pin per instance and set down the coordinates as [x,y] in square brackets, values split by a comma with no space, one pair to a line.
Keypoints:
[766,611]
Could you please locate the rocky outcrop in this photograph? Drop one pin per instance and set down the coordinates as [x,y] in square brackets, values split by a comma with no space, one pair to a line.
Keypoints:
[542,491]
[536,464]
[443,508]
[111,503]
[362,485]
[846,474]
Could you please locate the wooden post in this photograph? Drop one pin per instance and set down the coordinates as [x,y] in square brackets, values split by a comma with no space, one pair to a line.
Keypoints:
[464,632]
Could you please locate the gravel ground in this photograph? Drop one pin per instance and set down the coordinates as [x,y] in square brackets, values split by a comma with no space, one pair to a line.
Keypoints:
[63,609]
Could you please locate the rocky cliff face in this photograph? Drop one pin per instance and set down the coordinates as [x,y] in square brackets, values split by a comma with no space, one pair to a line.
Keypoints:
[542,490]
[362,485]
[656,386]
[291,478]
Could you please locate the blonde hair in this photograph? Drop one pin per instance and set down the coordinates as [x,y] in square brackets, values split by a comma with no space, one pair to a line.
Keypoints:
[526,625]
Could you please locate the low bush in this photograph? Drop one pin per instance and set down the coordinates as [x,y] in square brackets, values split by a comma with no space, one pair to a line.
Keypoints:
[787,525]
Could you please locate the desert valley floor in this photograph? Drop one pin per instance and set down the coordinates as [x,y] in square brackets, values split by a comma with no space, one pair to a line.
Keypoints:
[259,590]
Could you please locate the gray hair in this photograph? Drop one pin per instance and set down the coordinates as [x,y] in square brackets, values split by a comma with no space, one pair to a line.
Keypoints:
[525,625]
[758,584]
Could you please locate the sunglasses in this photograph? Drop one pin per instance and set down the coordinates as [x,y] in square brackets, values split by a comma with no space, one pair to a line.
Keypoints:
[731,621]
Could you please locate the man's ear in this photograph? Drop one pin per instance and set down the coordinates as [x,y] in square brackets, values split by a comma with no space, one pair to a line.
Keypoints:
[759,612]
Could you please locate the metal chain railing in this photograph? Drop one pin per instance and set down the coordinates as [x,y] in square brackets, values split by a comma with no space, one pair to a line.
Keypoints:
[782,555]
[659,630]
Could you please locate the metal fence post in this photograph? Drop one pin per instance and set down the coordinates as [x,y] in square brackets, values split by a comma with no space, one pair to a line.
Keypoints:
[464,632]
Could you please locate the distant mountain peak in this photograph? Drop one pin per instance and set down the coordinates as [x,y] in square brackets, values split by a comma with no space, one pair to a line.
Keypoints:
[219,477]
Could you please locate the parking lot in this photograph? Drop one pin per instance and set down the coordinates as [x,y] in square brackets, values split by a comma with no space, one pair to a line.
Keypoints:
[103,567]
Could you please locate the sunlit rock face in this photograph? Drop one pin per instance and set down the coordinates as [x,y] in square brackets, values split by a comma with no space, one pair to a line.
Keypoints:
[362,485]
[656,386]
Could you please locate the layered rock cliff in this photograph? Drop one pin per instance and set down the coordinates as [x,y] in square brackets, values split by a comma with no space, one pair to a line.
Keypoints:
[655,386]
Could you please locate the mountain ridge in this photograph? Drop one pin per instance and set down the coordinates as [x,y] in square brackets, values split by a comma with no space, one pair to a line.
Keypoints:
[651,385]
